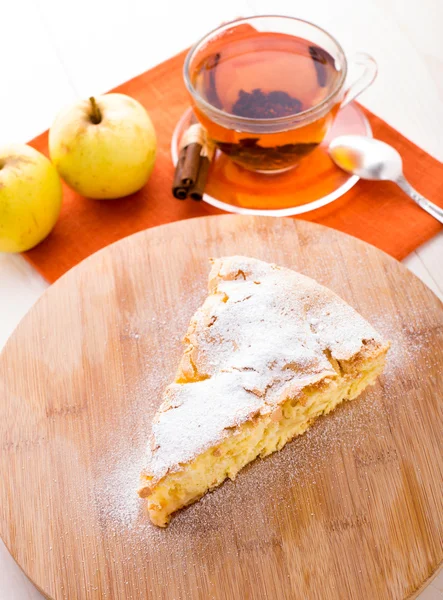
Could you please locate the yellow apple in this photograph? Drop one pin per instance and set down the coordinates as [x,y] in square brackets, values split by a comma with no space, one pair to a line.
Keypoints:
[30,197]
[104,147]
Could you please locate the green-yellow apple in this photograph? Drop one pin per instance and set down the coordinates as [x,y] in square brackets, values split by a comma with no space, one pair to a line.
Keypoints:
[30,197]
[104,147]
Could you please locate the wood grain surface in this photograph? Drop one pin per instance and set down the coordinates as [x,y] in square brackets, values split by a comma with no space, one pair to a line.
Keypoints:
[352,509]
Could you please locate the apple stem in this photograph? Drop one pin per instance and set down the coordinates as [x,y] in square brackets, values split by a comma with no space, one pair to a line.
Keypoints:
[96,115]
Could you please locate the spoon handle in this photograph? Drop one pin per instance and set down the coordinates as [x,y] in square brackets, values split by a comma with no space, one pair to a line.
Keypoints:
[423,202]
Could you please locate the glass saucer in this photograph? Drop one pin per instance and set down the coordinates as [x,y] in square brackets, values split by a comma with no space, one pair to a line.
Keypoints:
[315,182]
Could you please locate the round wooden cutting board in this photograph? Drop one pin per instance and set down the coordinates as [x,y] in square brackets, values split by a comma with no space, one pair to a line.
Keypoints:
[352,509]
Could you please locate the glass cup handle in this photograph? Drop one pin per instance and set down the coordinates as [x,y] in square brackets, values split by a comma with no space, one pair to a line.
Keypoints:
[367,76]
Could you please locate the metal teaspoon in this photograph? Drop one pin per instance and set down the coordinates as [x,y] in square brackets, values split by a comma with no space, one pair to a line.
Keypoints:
[373,159]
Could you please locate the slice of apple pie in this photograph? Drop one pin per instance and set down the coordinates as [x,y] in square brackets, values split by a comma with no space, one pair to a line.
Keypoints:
[267,353]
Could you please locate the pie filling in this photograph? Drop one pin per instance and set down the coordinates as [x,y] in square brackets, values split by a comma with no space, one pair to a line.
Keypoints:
[257,438]
[267,352]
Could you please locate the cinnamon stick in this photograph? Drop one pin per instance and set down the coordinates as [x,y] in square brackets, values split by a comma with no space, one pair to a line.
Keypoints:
[197,191]
[186,169]
[179,190]
[191,164]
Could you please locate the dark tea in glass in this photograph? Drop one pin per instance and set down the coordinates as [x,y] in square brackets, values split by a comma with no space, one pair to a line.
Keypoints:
[267,89]
[266,76]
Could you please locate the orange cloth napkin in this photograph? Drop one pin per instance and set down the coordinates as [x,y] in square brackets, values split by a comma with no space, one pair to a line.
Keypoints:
[378,213]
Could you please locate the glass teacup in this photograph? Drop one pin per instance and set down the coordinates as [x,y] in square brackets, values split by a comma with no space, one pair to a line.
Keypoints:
[267,88]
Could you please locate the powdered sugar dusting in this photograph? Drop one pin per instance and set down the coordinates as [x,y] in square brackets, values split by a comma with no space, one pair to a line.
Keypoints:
[259,338]
[353,430]
[261,485]
[119,470]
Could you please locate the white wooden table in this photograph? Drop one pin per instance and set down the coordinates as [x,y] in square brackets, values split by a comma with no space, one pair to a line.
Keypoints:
[54,51]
